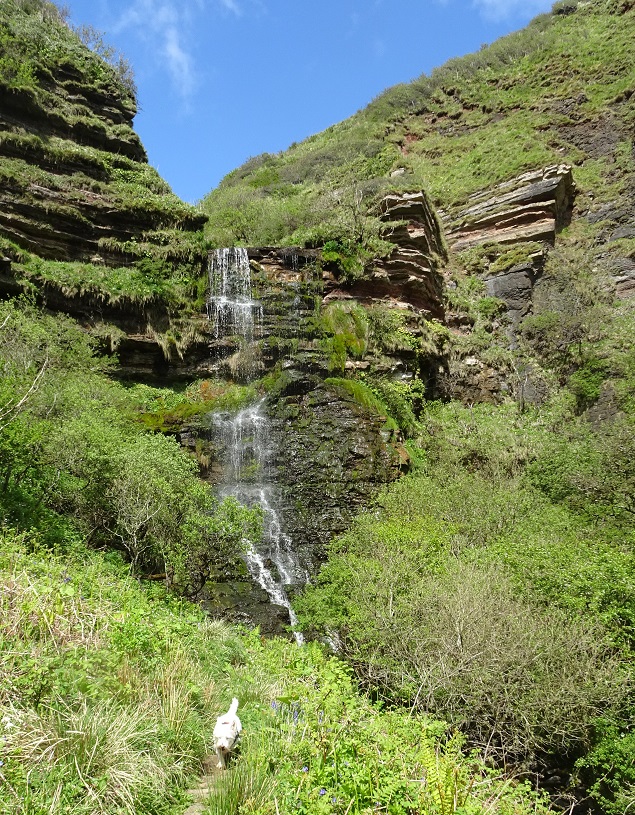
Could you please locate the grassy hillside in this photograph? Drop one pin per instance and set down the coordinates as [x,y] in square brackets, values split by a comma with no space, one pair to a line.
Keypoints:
[559,90]
[110,691]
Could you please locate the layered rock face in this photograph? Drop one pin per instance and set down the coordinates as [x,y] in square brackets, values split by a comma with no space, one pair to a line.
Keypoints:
[531,207]
[515,287]
[408,278]
[74,180]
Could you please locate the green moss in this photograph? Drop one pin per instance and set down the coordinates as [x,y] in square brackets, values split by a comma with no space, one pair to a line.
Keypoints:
[166,410]
[362,394]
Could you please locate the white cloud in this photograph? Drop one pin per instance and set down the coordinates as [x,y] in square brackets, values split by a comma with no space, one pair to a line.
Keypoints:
[163,24]
[503,9]
[232,5]
[180,62]
[169,30]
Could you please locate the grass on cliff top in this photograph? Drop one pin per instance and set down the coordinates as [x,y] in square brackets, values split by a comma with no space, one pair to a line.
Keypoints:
[530,99]
[36,41]
[110,690]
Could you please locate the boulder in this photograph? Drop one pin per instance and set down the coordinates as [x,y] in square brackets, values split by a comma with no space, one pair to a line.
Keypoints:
[515,288]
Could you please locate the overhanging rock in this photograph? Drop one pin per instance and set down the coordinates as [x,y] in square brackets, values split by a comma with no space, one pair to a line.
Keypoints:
[530,207]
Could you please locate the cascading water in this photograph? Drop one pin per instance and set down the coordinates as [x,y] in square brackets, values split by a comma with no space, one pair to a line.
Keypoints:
[230,306]
[247,477]
[244,437]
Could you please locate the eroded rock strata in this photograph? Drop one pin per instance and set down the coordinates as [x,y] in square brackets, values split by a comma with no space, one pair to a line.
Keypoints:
[531,207]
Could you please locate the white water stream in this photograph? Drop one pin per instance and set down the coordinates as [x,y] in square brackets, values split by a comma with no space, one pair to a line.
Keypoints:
[245,437]
[230,306]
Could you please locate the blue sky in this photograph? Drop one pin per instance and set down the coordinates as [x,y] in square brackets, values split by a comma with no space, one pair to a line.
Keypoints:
[222,80]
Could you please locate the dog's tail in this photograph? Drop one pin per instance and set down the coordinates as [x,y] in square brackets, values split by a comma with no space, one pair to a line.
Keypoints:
[234,707]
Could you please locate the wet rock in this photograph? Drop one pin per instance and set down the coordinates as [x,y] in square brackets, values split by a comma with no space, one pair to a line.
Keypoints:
[331,461]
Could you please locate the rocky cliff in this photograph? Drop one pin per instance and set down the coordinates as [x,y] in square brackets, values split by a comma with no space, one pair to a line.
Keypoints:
[75,185]
[421,282]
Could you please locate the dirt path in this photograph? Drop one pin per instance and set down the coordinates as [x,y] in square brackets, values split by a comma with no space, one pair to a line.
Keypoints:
[201,792]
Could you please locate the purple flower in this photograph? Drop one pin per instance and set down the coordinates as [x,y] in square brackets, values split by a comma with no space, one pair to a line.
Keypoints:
[274,705]
[305,769]
[322,791]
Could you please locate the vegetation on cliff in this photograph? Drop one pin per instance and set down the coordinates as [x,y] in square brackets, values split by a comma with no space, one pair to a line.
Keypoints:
[82,211]
[529,100]
[483,609]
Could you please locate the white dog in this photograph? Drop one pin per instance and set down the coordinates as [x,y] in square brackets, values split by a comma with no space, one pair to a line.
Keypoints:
[226,733]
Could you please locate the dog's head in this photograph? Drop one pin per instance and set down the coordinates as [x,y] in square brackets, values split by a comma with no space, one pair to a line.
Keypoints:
[225,734]
[225,743]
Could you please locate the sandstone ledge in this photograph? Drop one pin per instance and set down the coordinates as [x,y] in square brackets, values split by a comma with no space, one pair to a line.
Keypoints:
[531,207]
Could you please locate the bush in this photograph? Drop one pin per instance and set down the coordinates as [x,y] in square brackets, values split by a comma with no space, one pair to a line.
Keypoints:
[71,449]
[454,640]
[608,770]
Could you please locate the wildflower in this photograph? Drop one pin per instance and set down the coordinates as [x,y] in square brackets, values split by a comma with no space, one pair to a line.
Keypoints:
[274,705]
[322,791]
[305,769]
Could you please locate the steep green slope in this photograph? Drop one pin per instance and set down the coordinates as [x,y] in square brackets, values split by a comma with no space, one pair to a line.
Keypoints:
[81,210]
[559,90]
[109,692]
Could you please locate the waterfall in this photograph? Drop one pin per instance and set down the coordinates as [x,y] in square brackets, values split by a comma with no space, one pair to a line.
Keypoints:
[244,438]
[230,306]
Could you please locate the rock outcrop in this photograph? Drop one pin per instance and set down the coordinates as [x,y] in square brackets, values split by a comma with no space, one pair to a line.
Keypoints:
[408,278]
[515,288]
[531,207]
[75,184]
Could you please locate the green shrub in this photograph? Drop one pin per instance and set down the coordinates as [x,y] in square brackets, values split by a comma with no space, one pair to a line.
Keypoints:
[402,400]
[346,327]
[608,770]
[453,640]
[586,382]
[365,396]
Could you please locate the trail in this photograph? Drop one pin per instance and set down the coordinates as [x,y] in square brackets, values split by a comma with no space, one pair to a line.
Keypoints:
[201,792]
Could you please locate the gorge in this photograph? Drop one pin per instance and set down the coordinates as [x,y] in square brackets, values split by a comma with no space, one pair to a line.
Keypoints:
[403,350]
